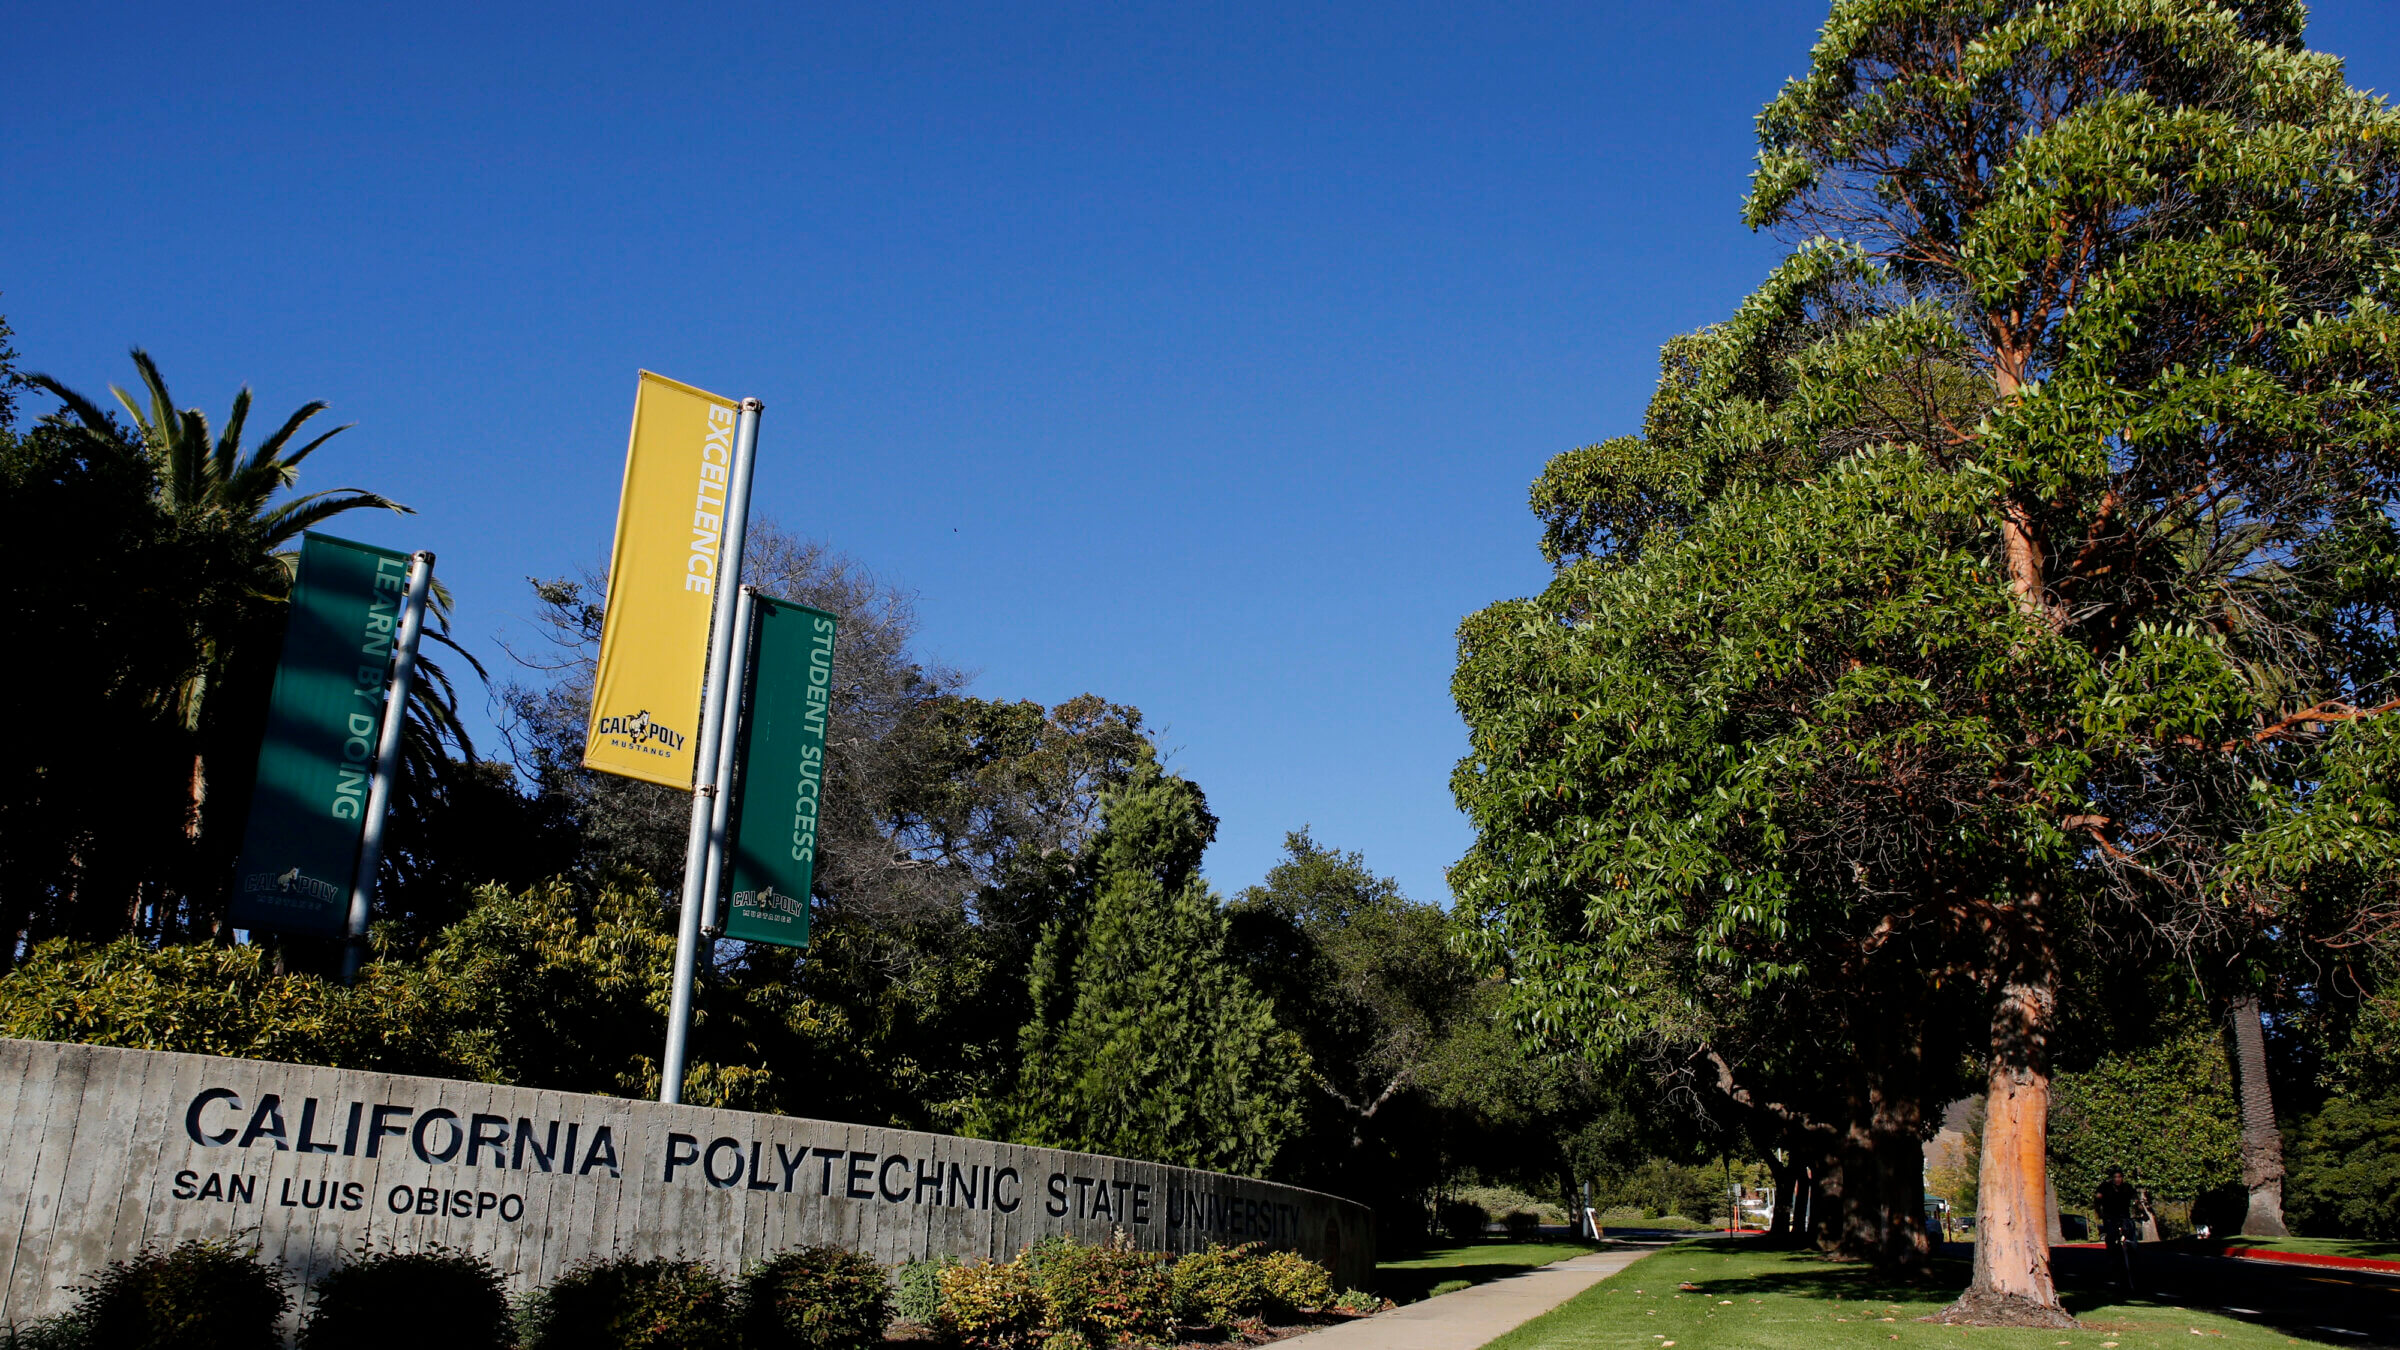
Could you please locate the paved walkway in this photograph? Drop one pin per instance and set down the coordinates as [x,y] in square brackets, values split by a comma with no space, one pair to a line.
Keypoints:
[1470,1317]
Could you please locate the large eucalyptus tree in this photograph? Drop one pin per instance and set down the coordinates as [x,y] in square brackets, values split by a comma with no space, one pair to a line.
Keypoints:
[1981,588]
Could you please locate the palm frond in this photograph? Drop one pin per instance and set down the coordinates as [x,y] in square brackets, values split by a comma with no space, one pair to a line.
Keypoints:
[280,524]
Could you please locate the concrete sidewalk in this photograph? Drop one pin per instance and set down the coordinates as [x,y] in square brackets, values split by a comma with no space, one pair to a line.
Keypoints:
[1470,1317]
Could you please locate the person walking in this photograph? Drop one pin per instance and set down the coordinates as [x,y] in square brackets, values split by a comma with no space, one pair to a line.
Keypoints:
[2116,1202]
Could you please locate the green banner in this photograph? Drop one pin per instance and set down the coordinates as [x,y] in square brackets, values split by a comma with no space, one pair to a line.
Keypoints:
[782,781]
[322,723]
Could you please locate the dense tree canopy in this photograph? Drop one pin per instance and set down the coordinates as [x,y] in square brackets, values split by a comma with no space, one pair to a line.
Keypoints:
[1976,589]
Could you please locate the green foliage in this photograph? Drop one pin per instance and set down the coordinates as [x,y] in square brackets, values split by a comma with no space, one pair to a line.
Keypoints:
[1462,1220]
[1219,1286]
[1294,1285]
[2343,1170]
[198,1295]
[2164,1113]
[993,1305]
[1373,985]
[653,1304]
[1106,1293]
[917,1289]
[820,1298]
[1145,1041]
[397,1300]
[1979,584]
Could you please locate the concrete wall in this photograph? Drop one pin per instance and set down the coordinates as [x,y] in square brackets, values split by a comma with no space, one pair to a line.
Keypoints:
[102,1151]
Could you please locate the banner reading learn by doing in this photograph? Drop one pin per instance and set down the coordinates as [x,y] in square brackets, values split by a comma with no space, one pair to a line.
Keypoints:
[323,718]
[662,583]
[774,843]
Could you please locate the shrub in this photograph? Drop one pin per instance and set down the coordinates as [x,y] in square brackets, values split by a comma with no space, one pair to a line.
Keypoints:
[1463,1220]
[996,1305]
[200,1295]
[1108,1292]
[50,1333]
[1357,1302]
[1218,1286]
[2345,1171]
[917,1291]
[1294,1284]
[401,1300]
[629,1304]
[1521,1224]
[823,1298]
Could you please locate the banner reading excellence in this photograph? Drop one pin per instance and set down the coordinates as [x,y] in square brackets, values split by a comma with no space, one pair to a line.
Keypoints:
[774,822]
[662,581]
[300,850]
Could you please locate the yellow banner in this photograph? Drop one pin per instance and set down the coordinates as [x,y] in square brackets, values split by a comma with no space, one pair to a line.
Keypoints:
[662,583]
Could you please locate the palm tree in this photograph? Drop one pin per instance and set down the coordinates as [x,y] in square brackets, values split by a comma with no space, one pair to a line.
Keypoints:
[223,503]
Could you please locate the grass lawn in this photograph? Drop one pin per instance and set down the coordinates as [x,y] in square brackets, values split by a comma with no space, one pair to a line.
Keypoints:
[1771,1300]
[1413,1279]
[2379,1251]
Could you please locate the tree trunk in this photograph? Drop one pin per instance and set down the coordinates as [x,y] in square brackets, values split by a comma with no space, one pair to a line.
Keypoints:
[2012,1285]
[1779,1228]
[2262,1147]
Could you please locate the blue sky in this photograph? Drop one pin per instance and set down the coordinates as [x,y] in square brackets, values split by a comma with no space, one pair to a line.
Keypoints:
[1197,356]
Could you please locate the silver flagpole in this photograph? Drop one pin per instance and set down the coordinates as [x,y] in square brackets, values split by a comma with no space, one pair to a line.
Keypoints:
[705,745]
[387,760]
[736,691]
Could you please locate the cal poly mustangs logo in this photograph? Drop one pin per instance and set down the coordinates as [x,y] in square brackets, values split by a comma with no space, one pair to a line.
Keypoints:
[638,732]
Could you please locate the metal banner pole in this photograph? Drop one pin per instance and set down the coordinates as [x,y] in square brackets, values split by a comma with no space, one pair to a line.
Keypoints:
[387,760]
[705,746]
[736,689]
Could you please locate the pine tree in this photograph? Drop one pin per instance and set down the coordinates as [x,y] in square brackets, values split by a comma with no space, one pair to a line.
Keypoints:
[1146,1041]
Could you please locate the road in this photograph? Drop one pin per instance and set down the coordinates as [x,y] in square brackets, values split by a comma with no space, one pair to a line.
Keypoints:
[2339,1307]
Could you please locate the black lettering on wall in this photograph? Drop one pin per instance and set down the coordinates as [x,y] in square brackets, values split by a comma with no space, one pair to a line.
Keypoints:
[1008,1206]
[963,1185]
[308,1129]
[862,1171]
[382,1126]
[929,1180]
[828,1154]
[1056,1205]
[603,1154]
[708,1163]
[883,1179]
[759,1180]
[350,1132]
[542,1152]
[354,1195]
[676,1157]
[191,1118]
[1101,1209]
[266,1123]
[241,1190]
[487,1131]
[187,1185]
[1141,1202]
[1083,1197]
[790,1163]
[440,1115]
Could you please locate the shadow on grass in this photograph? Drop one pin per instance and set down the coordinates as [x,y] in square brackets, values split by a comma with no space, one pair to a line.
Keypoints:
[1407,1283]
[2298,1303]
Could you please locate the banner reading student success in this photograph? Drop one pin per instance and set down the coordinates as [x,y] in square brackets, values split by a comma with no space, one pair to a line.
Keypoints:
[662,582]
[783,774]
